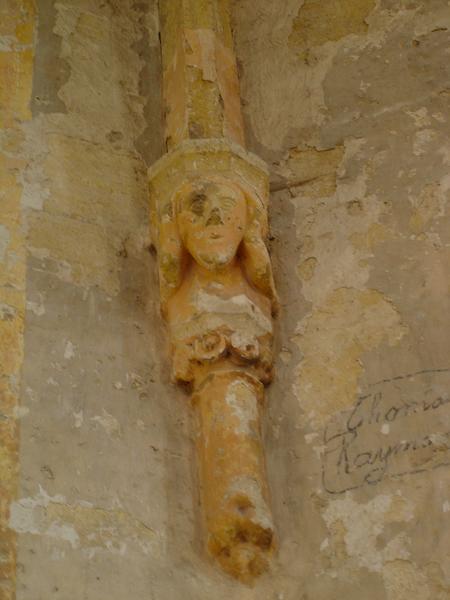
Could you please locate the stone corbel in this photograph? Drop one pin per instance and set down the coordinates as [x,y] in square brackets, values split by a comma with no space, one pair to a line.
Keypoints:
[209,200]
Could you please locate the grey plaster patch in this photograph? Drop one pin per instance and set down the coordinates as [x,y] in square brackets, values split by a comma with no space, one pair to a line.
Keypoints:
[50,71]
[150,142]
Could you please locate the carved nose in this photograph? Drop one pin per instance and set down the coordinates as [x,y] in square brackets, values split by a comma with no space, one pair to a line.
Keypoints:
[214,218]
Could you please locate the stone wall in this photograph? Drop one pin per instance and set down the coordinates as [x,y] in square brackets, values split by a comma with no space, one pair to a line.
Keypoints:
[348,104]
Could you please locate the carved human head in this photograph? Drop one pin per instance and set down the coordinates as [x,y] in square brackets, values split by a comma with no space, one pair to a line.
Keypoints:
[213,218]
[211,215]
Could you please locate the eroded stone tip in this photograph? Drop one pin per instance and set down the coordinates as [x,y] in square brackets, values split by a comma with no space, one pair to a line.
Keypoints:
[243,547]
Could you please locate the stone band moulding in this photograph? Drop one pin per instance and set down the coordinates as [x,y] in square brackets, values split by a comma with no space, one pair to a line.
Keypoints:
[208,199]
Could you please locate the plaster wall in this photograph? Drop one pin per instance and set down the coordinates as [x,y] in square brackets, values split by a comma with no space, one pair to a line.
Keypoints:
[348,102]
[349,107]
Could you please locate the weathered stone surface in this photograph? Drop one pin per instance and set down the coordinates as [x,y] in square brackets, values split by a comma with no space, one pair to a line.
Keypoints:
[320,22]
[363,467]
[240,528]
[200,80]
[107,507]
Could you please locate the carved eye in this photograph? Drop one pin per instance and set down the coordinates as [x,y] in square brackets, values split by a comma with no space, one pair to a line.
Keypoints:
[228,203]
[197,205]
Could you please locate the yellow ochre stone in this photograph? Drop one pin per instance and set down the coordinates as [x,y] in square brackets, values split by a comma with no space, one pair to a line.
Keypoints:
[17,20]
[319,22]
[200,81]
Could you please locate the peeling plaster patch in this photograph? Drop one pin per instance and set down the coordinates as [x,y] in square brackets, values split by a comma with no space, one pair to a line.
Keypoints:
[445,184]
[82,33]
[63,532]
[319,22]
[420,117]
[135,380]
[431,22]
[202,52]
[34,181]
[26,515]
[305,270]
[20,412]
[79,419]
[241,398]
[7,43]
[446,506]
[363,524]
[285,356]
[7,312]
[324,544]
[422,140]
[250,489]
[34,197]
[109,423]
[81,525]
[80,183]
[431,204]
[45,86]
[236,305]
[311,437]
[439,117]
[37,308]
[332,340]
[267,58]
[69,350]
[334,249]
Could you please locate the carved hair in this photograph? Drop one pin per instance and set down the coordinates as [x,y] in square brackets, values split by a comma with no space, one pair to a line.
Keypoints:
[252,252]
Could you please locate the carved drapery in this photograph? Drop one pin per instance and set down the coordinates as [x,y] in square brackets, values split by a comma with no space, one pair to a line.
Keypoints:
[209,201]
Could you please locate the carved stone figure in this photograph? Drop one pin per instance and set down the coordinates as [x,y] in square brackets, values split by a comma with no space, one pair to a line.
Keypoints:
[209,218]
[217,287]
[218,296]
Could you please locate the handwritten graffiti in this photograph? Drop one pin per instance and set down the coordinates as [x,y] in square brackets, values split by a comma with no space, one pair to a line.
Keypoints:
[400,426]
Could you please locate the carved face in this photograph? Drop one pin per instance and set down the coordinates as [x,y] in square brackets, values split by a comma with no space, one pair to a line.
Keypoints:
[211,218]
